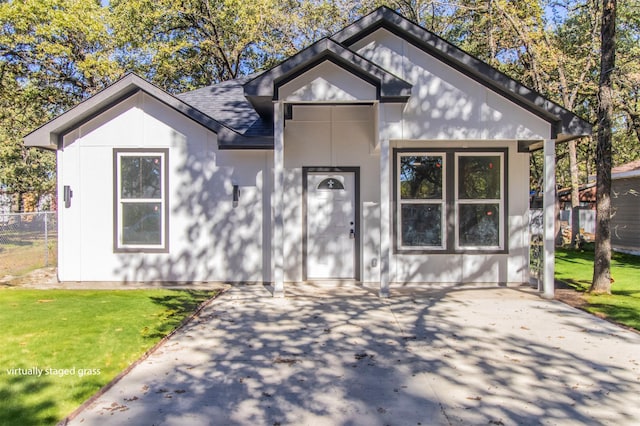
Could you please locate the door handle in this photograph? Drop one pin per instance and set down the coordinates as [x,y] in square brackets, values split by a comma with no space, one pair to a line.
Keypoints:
[352,234]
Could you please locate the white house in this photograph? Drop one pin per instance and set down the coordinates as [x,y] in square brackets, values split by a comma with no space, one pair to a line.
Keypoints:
[382,154]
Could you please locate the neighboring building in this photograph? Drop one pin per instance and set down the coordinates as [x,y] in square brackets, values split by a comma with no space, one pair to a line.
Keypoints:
[587,196]
[586,213]
[382,154]
[625,204]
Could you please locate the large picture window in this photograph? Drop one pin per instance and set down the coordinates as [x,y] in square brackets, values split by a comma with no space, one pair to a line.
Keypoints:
[140,200]
[450,200]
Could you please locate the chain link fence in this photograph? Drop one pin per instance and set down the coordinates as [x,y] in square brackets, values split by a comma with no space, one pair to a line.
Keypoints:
[27,241]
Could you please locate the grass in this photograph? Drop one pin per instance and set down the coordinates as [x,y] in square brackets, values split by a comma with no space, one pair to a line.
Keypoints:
[28,255]
[84,338]
[575,268]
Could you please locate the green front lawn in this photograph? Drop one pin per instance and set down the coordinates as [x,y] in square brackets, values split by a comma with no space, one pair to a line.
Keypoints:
[623,306]
[59,347]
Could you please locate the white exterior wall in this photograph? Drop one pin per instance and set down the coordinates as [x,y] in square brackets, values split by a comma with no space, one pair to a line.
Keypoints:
[450,110]
[330,136]
[208,239]
[446,110]
[470,267]
[446,104]
[211,241]
[327,82]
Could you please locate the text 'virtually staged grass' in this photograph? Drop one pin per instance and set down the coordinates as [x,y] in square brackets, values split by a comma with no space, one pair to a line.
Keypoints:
[59,347]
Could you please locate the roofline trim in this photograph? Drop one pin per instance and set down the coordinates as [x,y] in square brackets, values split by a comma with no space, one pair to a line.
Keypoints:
[128,86]
[626,175]
[267,83]
[562,120]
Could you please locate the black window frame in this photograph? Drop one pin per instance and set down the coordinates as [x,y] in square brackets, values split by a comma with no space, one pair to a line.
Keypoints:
[450,230]
[118,245]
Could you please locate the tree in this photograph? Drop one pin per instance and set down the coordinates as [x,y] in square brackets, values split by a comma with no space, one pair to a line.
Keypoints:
[550,46]
[52,55]
[602,262]
[193,43]
[573,46]
[626,78]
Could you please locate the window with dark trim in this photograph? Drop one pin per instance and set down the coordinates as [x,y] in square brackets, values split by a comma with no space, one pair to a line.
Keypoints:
[140,198]
[479,200]
[421,201]
[450,201]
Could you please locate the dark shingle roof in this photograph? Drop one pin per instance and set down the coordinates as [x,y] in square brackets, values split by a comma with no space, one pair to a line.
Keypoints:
[627,170]
[225,102]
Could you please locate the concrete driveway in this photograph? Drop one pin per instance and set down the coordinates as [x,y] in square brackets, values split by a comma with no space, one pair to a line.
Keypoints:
[323,356]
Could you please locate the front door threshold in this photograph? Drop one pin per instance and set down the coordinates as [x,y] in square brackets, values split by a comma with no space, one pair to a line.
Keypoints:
[331,282]
[331,288]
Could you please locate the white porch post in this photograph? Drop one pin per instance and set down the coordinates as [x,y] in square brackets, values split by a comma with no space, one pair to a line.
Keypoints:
[277,246]
[385,240]
[548,207]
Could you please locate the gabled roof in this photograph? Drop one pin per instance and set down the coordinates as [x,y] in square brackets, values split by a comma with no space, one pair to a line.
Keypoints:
[240,111]
[50,135]
[263,89]
[567,124]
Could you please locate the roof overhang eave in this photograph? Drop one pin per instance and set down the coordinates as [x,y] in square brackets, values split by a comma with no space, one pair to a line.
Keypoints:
[49,136]
[231,140]
[532,145]
[264,87]
[567,125]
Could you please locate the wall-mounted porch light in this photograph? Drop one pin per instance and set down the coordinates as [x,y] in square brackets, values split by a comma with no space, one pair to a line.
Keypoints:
[236,195]
[67,195]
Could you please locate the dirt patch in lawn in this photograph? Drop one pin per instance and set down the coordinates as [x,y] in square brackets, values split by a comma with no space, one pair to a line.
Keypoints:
[570,296]
[39,278]
[577,299]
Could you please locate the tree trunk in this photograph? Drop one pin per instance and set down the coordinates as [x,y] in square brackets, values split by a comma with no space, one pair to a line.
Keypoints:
[602,261]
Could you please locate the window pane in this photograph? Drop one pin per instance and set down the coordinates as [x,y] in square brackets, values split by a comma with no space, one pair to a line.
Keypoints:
[478,177]
[141,223]
[330,183]
[421,177]
[479,225]
[140,177]
[421,225]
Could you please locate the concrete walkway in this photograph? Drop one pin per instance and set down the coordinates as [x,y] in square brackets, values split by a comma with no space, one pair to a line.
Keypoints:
[462,355]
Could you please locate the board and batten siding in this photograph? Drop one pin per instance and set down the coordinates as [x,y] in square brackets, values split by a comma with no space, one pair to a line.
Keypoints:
[448,109]
[208,239]
[330,136]
[444,103]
